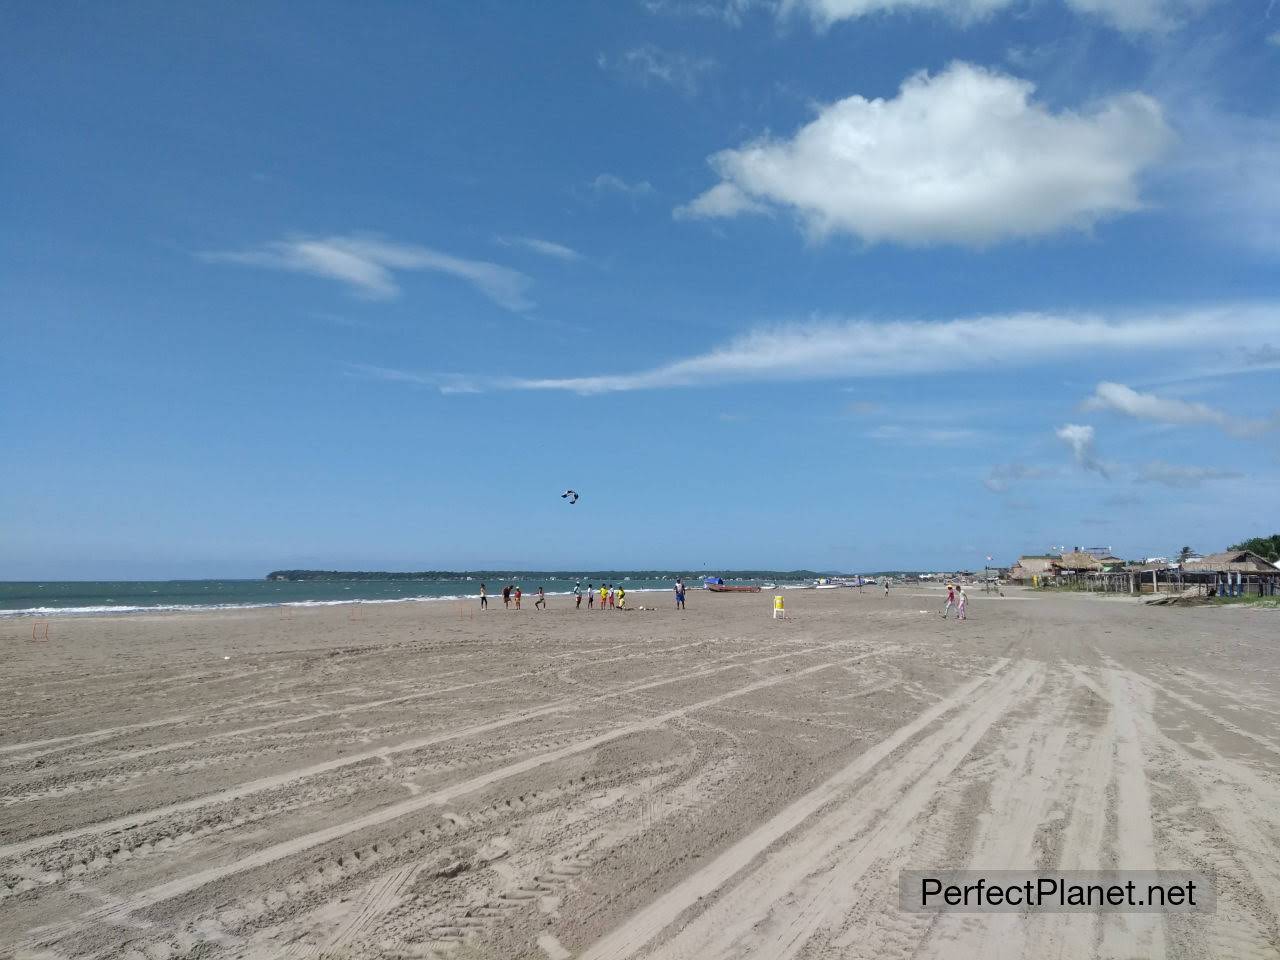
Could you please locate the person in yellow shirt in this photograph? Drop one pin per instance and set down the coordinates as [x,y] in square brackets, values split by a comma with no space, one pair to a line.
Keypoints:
[604,595]
[622,597]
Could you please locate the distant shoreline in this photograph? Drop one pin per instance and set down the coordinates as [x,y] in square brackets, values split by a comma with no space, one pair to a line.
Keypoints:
[438,575]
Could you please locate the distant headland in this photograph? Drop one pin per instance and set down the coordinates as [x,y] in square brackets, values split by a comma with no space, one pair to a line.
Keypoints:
[785,575]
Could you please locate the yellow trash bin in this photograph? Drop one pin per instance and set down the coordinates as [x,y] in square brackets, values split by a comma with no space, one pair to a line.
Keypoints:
[777,606]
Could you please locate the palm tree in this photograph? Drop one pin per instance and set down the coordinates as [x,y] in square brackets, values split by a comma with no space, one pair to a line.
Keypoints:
[1185,554]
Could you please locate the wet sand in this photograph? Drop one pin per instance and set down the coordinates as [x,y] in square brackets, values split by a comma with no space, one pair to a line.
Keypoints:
[419,780]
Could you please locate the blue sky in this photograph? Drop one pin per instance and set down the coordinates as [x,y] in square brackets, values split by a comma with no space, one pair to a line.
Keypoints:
[845,284]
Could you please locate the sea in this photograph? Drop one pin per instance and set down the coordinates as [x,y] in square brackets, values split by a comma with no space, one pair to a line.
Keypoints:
[96,597]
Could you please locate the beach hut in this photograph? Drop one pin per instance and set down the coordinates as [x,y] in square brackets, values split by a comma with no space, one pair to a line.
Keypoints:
[1231,561]
[1150,576]
[1236,573]
[1078,561]
[1032,565]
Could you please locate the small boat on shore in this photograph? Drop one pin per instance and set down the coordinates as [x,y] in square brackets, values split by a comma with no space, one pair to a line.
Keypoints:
[717,585]
[843,583]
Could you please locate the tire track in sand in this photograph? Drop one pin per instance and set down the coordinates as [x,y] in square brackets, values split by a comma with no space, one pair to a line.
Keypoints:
[89,737]
[283,779]
[45,937]
[980,701]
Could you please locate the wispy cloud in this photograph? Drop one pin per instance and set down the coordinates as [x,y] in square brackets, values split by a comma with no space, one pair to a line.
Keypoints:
[1226,169]
[1122,500]
[1005,475]
[727,11]
[1118,398]
[1266,356]
[1171,475]
[367,264]
[1129,16]
[965,156]
[834,349]
[612,183]
[1080,438]
[924,436]
[444,382]
[649,64]
[548,248]
[862,408]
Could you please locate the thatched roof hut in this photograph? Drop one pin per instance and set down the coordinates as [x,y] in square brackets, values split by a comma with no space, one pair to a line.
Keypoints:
[1232,561]
[1078,561]
[1032,565]
[1158,566]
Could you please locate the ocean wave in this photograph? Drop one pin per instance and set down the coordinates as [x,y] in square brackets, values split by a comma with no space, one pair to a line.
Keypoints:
[100,609]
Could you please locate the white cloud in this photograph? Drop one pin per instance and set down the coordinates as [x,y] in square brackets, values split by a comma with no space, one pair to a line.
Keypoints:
[548,248]
[833,349]
[1134,16]
[649,63]
[1175,476]
[722,200]
[1118,398]
[368,264]
[1080,438]
[964,157]
[1274,39]
[610,183]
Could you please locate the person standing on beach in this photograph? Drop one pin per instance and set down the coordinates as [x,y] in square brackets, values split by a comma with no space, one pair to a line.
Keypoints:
[506,595]
[577,595]
[964,602]
[604,596]
[886,587]
[622,597]
[951,600]
[591,596]
[541,602]
[517,596]
[484,598]
[613,597]
[679,594]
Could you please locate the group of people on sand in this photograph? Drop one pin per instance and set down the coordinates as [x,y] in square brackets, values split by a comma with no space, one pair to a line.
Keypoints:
[511,593]
[611,597]
[957,600]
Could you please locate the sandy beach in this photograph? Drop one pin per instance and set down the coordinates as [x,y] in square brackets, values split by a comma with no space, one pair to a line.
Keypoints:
[418,780]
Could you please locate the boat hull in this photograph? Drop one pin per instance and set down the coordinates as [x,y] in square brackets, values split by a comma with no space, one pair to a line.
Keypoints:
[726,588]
